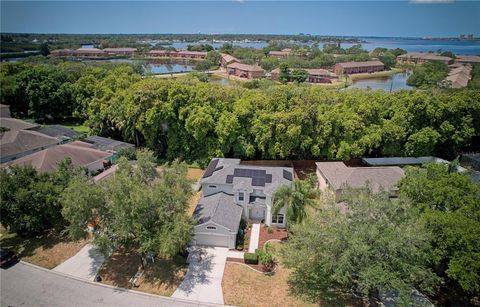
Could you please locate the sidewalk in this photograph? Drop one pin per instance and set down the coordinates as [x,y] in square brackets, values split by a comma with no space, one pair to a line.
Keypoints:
[254,237]
[85,264]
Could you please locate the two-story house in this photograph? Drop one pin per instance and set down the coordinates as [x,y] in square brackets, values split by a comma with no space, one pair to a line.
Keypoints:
[231,192]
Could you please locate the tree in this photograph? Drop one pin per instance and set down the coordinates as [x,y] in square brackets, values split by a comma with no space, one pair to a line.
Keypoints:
[376,244]
[428,74]
[140,208]
[296,198]
[299,75]
[30,201]
[284,75]
[44,50]
[450,203]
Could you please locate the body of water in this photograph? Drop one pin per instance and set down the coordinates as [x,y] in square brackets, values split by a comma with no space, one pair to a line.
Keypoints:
[169,68]
[392,83]
[410,44]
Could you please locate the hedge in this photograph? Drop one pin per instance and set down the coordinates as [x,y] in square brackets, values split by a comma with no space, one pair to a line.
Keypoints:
[250,258]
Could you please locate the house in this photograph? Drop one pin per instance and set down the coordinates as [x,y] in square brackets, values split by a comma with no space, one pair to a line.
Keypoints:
[421,57]
[89,52]
[467,59]
[459,76]
[62,133]
[227,59]
[245,71]
[231,192]
[121,51]
[18,143]
[5,111]
[181,54]
[358,67]
[15,124]
[280,54]
[315,75]
[336,176]
[47,160]
[107,144]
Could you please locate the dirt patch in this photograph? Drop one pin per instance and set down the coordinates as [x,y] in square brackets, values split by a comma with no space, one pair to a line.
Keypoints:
[244,287]
[194,174]
[162,277]
[47,250]
[275,234]
[192,203]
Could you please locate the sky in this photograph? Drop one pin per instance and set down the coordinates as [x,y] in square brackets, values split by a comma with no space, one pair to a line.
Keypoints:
[414,18]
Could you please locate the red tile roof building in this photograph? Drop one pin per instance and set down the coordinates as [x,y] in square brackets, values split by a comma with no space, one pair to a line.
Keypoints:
[421,57]
[181,54]
[358,67]
[245,71]
[227,59]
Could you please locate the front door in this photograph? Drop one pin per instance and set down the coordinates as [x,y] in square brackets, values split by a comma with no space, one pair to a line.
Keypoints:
[257,213]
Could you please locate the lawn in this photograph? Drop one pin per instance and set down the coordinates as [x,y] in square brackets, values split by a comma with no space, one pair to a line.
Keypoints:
[162,277]
[194,173]
[46,250]
[192,203]
[77,127]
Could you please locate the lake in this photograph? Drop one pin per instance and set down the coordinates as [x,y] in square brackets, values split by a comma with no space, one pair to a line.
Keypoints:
[168,68]
[394,83]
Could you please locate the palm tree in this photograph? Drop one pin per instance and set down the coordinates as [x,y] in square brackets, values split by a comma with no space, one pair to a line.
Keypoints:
[296,197]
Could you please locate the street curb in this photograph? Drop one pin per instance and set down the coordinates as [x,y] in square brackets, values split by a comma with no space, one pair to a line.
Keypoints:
[173,300]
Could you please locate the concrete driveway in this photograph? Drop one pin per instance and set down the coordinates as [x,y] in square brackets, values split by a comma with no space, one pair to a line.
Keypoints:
[85,264]
[203,281]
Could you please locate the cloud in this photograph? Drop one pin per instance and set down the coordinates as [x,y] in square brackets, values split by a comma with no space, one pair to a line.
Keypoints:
[431,1]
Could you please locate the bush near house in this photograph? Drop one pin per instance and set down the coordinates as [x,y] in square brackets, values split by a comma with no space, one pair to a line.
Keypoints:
[250,258]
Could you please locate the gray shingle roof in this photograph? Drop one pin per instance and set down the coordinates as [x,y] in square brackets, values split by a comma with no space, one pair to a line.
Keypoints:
[230,171]
[14,124]
[219,208]
[17,142]
[57,131]
[339,175]
[102,143]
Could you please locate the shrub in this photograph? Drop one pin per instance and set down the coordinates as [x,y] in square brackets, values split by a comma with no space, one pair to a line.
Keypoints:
[264,257]
[250,258]
[270,230]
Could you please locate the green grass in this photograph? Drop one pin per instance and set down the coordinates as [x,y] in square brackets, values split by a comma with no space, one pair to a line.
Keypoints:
[77,127]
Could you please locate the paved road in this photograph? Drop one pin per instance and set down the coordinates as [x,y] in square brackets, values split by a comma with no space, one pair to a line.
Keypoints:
[203,281]
[85,264]
[26,285]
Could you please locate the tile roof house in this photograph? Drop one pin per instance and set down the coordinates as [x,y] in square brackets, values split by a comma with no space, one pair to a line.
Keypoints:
[15,124]
[245,71]
[121,51]
[336,176]
[47,160]
[232,191]
[467,59]
[315,75]
[358,67]
[422,57]
[19,143]
[227,59]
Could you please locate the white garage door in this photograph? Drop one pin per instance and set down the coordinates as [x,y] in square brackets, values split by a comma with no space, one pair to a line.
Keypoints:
[211,240]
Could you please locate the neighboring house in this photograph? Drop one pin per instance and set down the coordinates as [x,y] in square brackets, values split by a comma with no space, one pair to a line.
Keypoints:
[181,54]
[62,133]
[467,59]
[62,52]
[227,59]
[14,124]
[422,57]
[48,159]
[121,51]
[336,176]
[458,77]
[106,144]
[315,75]
[358,67]
[16,144]
[245,71]
[280,54]
[89,52]
[231,192]
[5,111]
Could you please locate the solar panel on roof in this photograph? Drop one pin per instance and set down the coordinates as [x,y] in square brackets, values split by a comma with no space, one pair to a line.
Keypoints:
[210,168]
[287,175]
[268,178]
[258,182]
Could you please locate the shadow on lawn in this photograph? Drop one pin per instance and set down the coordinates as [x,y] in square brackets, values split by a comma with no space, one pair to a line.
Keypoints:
[161,277]
[26,246]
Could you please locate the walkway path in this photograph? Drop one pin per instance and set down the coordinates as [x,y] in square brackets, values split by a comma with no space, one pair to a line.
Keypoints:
[254,237]
[28,285]
[85,264]
[203,281]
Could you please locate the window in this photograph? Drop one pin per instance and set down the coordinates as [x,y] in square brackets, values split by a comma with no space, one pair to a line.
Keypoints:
[211,227]
[212,186]
[241,196]
[277,219]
